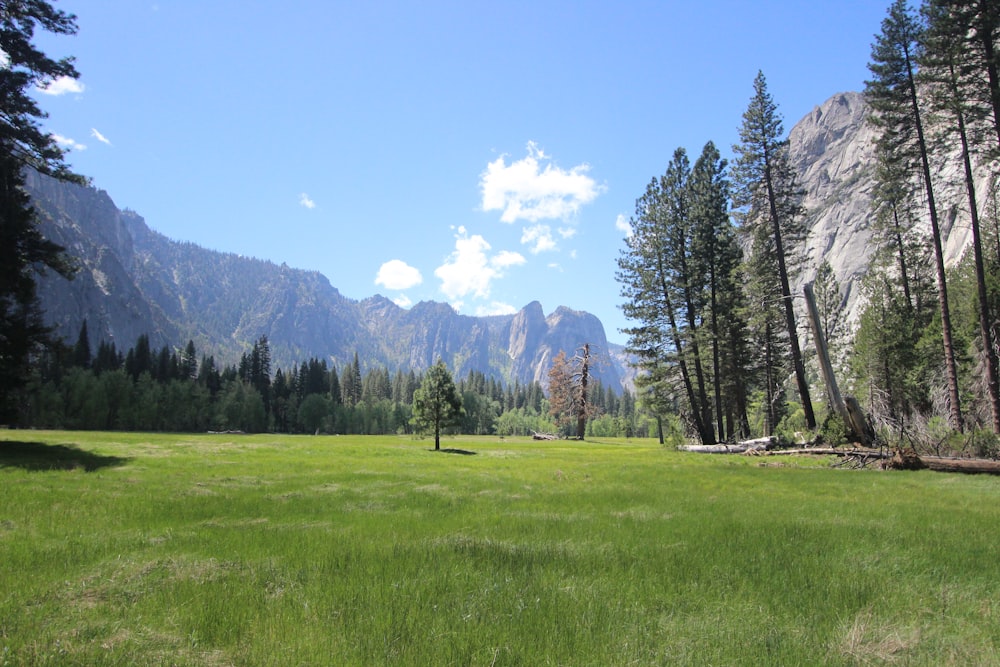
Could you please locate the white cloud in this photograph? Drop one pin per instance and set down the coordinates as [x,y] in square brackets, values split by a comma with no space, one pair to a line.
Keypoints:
[398,275]
[468,270]
[100,137]
[304,200]
[623,225]
[403,301]
[567,232]
[506,258]
[61,86]
[66,142]
[527,190]
[539,237]
[495,308]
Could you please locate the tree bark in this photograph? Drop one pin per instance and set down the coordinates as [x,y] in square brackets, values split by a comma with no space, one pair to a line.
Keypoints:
[786,296]
[951,371]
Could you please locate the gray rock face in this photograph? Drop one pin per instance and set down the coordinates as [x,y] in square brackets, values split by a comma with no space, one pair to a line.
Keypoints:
[832,148]
[535,340]
[135,281]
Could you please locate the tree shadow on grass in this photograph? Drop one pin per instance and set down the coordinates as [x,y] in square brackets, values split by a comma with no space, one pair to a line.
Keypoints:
[40,456]
[451,450]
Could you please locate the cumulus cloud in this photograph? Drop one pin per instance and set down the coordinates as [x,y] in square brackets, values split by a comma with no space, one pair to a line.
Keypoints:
[403,301]
[304,200]
[623,225]
[398,275]
[66,142]
[469,270]
[61,86]
[534,189]
[100,137]
[539,237]
[506,258]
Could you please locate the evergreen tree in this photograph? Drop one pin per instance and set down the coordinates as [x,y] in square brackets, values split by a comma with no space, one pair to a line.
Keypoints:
[81,351]
[654,290]
[139,359]
[436,403]
[895,111]
[768,195]
[951,69]
[717,254]
[189,362]
[335,393]
[24,145]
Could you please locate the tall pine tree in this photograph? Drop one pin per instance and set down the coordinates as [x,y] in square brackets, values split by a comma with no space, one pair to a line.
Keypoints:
[896,112]
[768,196]
[24,145]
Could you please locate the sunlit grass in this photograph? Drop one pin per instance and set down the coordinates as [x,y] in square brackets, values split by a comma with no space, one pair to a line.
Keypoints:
[120,549]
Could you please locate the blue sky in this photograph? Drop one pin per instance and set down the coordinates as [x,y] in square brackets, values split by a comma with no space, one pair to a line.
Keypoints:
[480,154]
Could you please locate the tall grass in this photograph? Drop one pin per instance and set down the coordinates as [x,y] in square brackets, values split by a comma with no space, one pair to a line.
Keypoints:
[121,549]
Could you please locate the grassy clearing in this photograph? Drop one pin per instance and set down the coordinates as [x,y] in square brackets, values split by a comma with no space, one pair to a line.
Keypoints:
[121,549]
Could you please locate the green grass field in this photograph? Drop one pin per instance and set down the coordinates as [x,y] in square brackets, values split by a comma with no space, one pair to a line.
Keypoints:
[139,549]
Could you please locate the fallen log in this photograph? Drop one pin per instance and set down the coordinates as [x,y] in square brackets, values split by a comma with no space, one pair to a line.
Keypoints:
[758,445]
[535,435]
[968,466]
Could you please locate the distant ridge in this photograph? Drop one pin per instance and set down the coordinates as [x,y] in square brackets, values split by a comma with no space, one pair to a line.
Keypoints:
[134,281]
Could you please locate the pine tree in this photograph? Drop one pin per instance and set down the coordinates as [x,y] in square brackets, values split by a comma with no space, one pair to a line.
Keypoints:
[24,145]
[769,196]
[895,111]
[717,255]
[81,351]
[653,287]
[436,403]
[951,71]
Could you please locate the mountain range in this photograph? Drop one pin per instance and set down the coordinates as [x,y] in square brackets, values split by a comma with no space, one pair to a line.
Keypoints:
[133,280]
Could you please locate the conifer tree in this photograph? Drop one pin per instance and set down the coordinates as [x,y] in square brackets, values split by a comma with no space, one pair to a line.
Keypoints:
[896,113]
[717,256]
[24,145]
[655,288]
[436,403]
[81,351]
[950,69]
[767,195]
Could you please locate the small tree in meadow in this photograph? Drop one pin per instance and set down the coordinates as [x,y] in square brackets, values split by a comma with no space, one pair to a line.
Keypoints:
[436,403]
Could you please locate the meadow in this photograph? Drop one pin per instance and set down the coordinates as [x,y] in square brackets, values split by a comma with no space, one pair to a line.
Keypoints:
[143,549]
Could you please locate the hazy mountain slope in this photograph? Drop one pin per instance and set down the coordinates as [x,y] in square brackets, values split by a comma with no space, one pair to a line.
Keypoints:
[134,280]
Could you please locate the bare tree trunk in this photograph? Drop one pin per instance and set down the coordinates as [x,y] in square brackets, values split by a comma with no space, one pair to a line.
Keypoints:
[992,382]
[951,370]
[685,375]
[786,296]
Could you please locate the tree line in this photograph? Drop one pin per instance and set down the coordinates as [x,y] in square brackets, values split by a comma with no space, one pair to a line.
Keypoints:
[714,247]
[174,389]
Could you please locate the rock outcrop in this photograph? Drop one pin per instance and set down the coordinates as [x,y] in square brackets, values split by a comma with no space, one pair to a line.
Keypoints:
[833,149]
